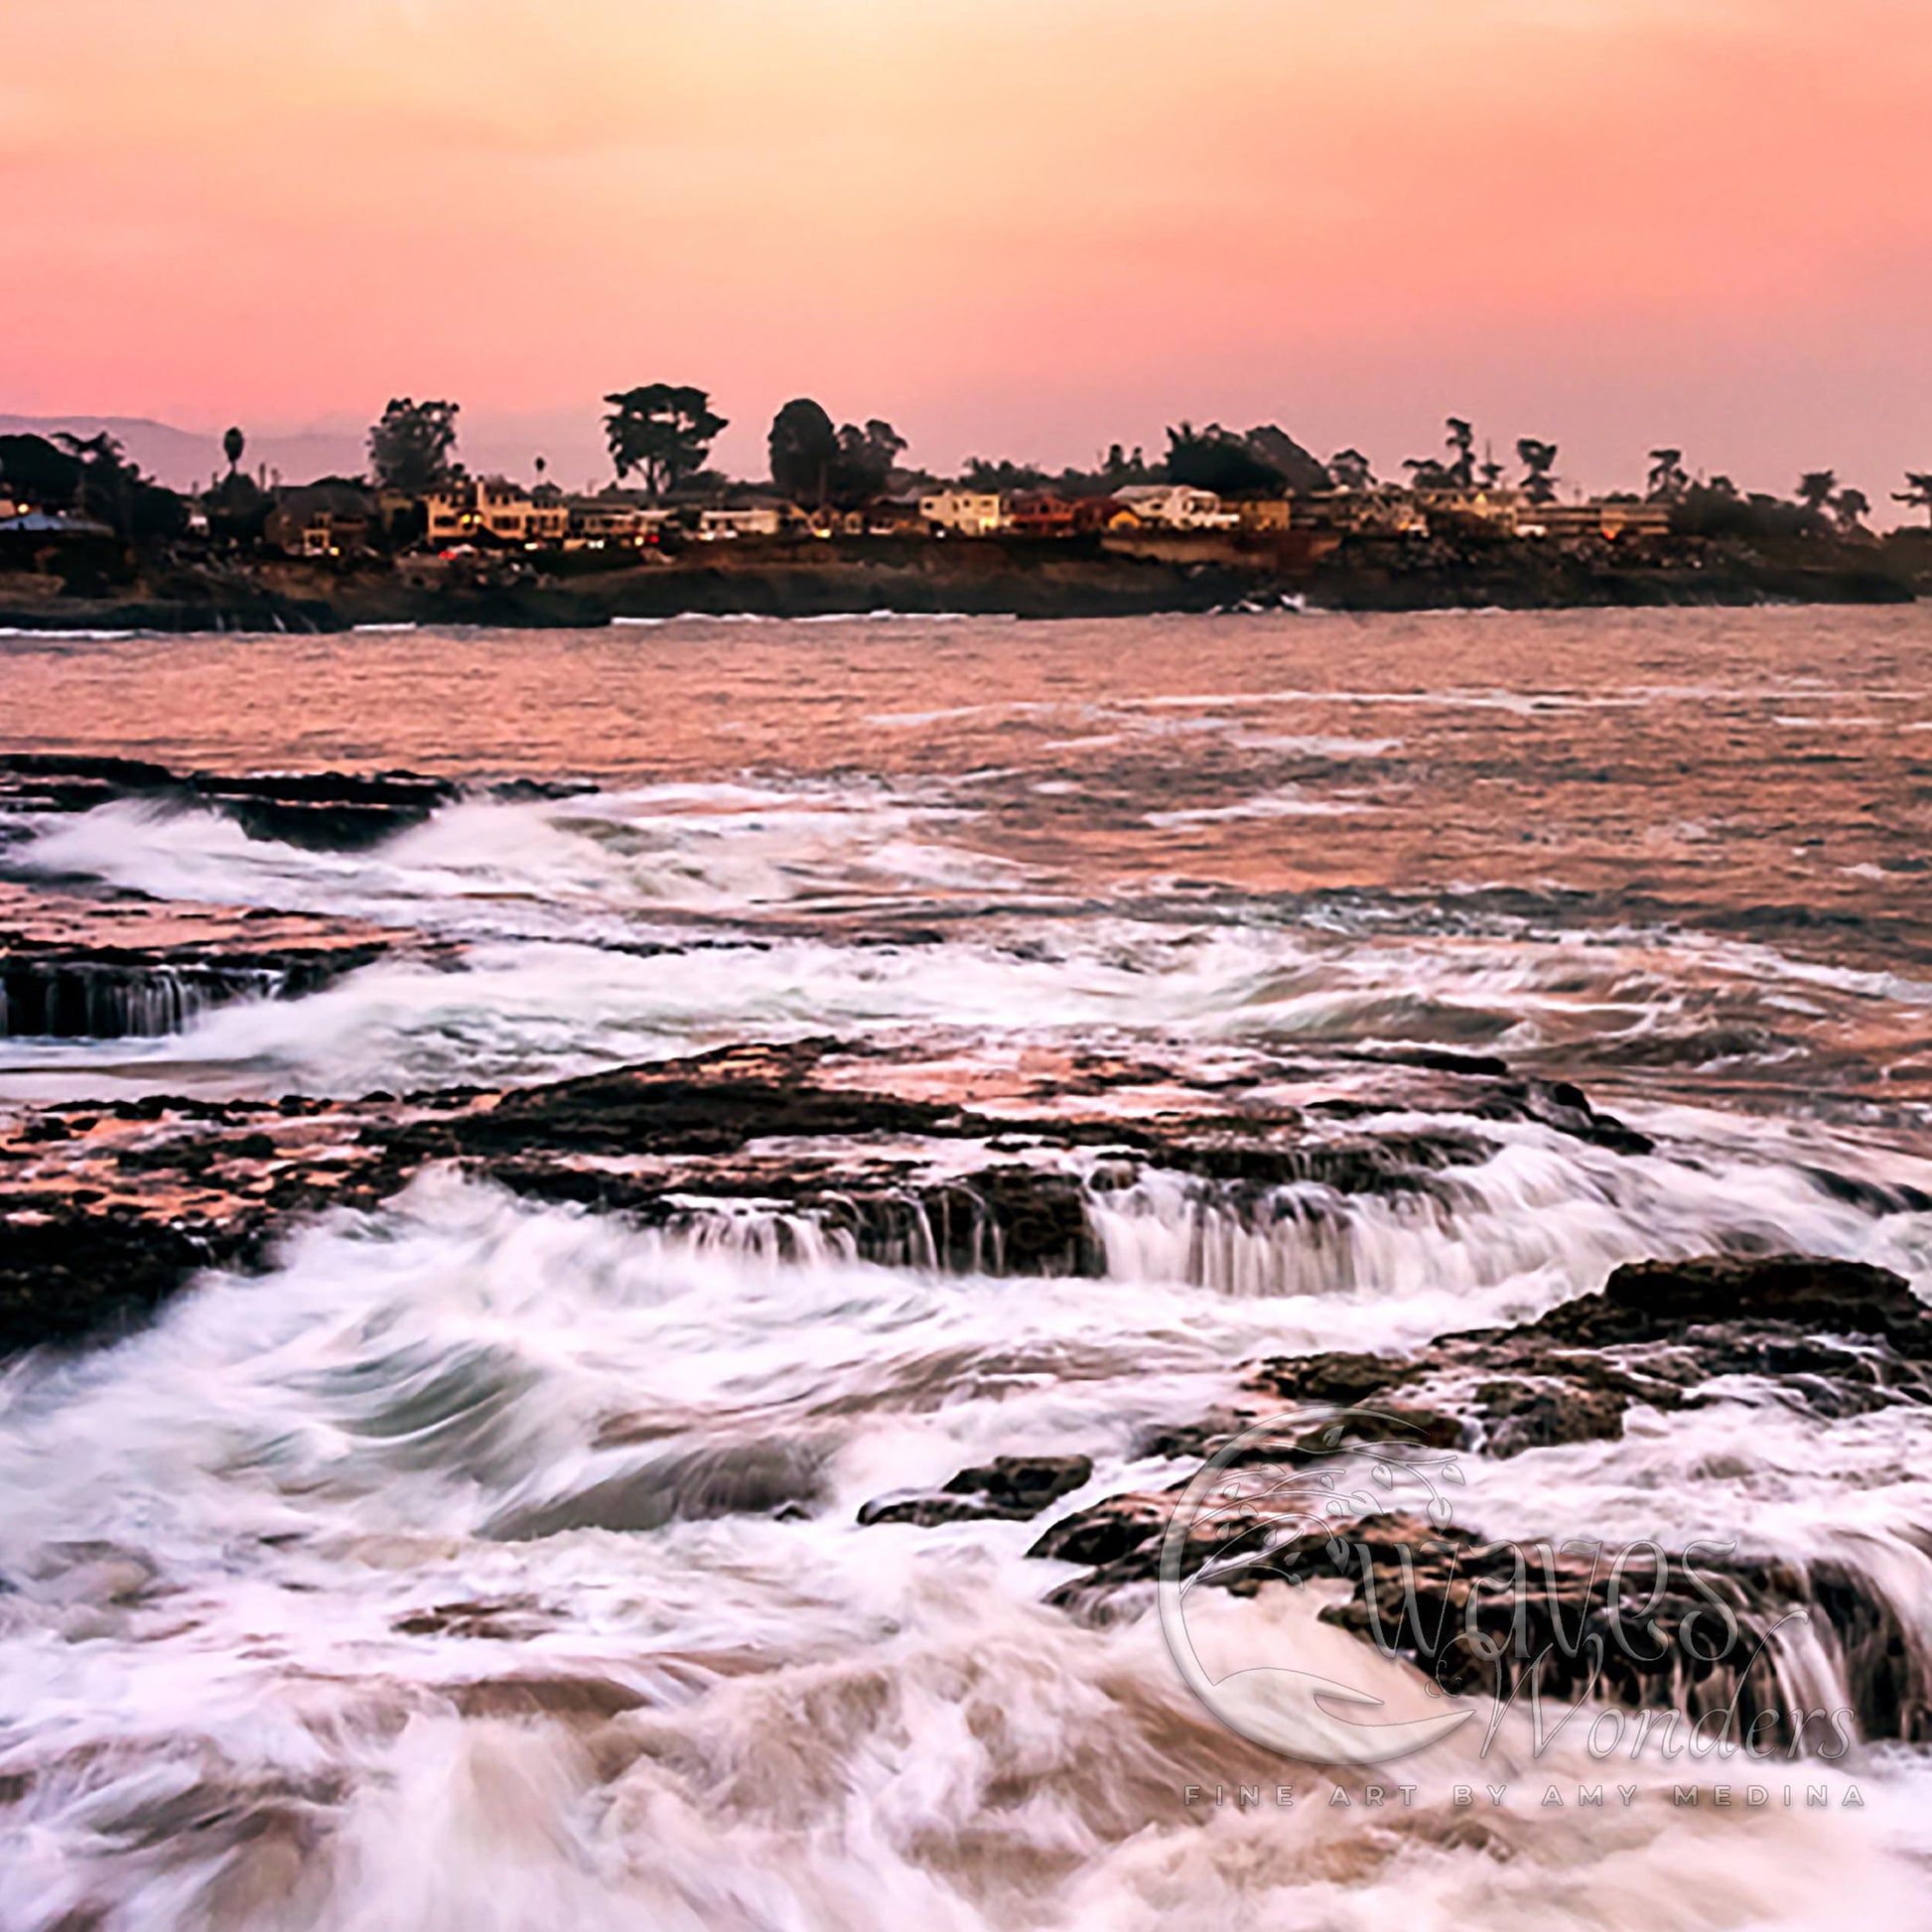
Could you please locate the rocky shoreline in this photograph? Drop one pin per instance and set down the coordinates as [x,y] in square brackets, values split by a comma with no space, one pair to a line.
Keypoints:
[1486,1617]
[76,966]
[1081,579]
[78,961]
[815,1142]
[834,1149]
[111,1209]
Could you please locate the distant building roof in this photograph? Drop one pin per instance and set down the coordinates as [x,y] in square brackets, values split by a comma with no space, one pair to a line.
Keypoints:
[54,523]
[1157,493]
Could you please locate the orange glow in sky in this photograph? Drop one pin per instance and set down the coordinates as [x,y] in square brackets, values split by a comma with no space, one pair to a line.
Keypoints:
[1012,226]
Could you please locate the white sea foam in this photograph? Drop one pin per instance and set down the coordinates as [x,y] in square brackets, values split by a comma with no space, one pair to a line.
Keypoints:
[1292,803]
[65,636]
[549,866]
[579,953]
[472,1456]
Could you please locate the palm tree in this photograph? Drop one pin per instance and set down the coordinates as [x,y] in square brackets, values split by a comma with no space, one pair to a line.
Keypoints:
[1669,482]
[233,444]
[1815,488]
[1352,470]
[1539,461]
[1917,491]
[1850,506]
[1461,438]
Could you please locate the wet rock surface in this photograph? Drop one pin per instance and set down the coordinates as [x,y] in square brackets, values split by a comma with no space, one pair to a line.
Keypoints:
[326,811]
[1832,1337]
[810,1146]
[1694,1631]
[114,966]
[90,1275]
[1013,1488]
[1701,1631]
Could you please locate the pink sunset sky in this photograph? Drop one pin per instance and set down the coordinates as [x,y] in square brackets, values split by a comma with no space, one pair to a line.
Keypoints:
[1021,227]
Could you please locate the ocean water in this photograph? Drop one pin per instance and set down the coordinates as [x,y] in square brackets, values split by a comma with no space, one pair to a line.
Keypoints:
[402,1586]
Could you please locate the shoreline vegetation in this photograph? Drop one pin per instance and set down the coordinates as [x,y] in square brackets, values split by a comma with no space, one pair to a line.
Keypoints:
[845,528]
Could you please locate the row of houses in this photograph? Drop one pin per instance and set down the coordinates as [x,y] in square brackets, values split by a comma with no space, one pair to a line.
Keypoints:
[1371,512]
[335,519]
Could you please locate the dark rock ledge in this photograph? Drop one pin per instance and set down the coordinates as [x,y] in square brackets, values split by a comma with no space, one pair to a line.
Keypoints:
[1010,1488]
[113,966]
[1830,1338]
[325,812]
[1835,1339]
[108,1208]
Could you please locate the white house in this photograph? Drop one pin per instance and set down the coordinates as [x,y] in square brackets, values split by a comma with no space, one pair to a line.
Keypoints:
[763,520]
[1177,506]
[612,521]
[964,512]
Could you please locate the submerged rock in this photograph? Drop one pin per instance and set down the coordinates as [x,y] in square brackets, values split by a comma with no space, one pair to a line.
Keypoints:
[322,812]
[692,1484]
[1013,1488]
[115,967]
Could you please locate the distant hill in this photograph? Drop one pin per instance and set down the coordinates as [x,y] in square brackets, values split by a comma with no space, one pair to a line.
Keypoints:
[172,455]
[184,459]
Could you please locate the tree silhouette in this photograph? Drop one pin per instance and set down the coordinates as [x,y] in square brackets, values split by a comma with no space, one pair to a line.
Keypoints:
[864,462]
[1350,470]
[113,490]
[1669,482]
[106,480]
[1851,508]
[1463,440]
[1917,492]
[804,448]
[1539,461]
[1298,468]
[664,430]
[411,450]
[1219,460]
[813,463]
[1815,488]
[1002,478]
[36,469]
[232,446]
